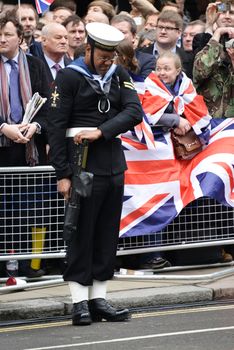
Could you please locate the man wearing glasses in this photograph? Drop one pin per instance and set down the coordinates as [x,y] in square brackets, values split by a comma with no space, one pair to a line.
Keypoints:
[168,31]
[93,100]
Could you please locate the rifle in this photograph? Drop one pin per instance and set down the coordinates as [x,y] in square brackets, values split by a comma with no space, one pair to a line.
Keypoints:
[81,186]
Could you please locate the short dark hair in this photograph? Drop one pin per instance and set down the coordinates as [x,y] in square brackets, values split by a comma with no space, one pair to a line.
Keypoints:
[9,17]
[79,51]
[74,19]
[125,18]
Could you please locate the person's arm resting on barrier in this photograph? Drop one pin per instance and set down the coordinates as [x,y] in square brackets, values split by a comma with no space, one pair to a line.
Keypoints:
[172,120]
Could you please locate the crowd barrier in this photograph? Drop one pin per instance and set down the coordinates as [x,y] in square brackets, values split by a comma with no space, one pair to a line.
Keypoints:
[32,211]
[31,224]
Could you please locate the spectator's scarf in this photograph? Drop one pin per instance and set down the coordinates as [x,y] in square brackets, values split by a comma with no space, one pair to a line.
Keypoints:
[26,94]
[156,98]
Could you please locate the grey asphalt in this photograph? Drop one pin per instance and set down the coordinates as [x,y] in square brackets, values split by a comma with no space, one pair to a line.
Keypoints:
[167,287]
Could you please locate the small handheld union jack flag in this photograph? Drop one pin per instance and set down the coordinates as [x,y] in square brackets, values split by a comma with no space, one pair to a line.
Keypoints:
[43,5]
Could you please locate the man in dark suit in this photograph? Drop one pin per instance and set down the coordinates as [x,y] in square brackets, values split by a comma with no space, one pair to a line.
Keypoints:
[11,36]
[128,27]
[54,57]
[54,45]
[20,144]
[168,31]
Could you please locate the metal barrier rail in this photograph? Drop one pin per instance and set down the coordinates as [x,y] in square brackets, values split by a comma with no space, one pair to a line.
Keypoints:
[31,211]
[202,223]
[31,220]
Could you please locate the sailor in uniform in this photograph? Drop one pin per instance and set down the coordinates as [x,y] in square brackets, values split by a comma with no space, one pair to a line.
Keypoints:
[93,99]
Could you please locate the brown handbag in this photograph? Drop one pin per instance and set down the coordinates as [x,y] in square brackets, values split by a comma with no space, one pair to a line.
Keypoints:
[186,146]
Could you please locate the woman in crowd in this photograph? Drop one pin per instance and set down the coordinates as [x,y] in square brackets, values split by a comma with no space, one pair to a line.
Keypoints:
[170,102]
[169,107]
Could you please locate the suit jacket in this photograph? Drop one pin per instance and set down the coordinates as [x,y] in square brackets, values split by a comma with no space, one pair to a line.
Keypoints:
[48,71]
[35,48]
[146,63]
[76,105]
[39,84]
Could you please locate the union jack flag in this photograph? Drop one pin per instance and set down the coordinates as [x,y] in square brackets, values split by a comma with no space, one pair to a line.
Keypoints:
[158,186]
[43,5]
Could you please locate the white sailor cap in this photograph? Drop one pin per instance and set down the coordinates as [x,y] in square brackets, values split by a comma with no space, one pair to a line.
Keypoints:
[103,36]
[229,44]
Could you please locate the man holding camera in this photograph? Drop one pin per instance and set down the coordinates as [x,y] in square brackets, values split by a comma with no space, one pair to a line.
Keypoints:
[213,70]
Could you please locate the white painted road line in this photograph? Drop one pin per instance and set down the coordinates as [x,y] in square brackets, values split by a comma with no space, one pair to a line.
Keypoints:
[150,336]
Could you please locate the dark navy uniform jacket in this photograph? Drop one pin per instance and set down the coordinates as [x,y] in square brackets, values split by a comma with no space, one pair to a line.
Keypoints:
[74,103]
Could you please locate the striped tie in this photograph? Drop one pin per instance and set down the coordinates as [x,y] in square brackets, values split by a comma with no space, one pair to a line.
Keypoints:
[57,67]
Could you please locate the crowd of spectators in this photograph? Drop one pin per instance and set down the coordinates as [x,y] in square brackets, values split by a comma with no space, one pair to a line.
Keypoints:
[200,32]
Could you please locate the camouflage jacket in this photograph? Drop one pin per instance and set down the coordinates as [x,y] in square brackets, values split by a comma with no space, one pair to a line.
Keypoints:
[213,77]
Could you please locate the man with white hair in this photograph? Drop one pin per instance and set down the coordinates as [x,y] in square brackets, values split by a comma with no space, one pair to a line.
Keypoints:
[54,41]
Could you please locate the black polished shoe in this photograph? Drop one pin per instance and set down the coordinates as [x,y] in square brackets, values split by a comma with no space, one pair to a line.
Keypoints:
[100,309]
[155,263]
[80,314]
[31,273]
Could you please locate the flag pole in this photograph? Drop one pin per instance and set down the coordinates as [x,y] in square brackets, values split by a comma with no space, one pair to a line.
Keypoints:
[19,3]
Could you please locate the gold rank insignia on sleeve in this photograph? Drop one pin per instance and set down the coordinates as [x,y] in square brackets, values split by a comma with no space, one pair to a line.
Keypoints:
[128,85]
[55,99]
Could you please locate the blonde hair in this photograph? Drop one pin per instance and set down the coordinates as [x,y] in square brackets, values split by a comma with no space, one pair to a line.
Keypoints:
[174,56]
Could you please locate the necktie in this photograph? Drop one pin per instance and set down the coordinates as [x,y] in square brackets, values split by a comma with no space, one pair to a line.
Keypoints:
[57,67]
[15,98]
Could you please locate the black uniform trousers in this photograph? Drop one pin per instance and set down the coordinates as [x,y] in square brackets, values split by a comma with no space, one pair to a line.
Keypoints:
[91,252]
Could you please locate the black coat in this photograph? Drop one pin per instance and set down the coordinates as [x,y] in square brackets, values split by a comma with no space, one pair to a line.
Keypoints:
[48,71]
[146,63]
[76,106]
[39,84]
